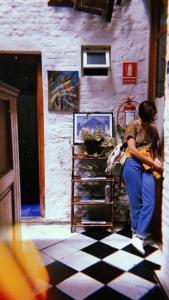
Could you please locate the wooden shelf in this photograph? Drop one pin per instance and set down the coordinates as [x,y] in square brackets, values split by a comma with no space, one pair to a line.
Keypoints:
[91,179]
[92,202]
[107,224]
[87,156]
[90,191]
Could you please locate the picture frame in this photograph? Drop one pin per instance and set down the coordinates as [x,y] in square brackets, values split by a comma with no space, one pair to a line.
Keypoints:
[91,121]
[63,90]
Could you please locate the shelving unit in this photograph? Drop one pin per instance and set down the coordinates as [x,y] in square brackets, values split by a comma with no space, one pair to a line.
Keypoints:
[89,207]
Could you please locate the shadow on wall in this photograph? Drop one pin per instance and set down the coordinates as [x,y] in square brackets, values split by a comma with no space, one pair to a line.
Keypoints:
[120,10]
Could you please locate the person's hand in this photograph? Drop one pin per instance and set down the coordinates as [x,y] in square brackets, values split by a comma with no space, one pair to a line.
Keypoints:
[157,166]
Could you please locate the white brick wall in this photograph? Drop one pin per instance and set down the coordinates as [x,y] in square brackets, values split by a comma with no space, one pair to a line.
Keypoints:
[58,34]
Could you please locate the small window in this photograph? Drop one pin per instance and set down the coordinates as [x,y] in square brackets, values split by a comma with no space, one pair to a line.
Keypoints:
[95,61]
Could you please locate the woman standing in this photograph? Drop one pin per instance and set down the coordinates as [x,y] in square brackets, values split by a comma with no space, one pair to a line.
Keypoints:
[140,168]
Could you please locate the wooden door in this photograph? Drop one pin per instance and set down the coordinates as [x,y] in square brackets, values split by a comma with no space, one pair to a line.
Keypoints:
[9,160]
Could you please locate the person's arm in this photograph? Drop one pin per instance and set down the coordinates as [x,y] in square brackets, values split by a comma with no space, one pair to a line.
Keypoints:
[136,153]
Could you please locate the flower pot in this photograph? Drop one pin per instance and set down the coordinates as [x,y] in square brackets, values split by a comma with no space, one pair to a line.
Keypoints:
[92,146]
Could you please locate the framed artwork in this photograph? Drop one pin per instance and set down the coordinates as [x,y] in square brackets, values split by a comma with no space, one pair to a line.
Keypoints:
[91,121]
[63,90]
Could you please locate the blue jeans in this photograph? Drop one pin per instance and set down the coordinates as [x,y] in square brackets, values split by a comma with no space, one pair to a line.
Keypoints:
[140,186]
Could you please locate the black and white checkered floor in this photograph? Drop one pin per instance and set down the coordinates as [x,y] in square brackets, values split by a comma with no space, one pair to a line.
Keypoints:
[95,265]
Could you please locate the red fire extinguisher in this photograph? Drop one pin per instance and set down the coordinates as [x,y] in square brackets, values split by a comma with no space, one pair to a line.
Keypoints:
[129,111]
[126,112]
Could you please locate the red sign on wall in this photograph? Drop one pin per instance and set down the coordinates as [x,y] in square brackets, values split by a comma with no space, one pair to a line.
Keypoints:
[129,72]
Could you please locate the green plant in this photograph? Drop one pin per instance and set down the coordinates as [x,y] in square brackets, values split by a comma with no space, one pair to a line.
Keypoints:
[120,131]
[97,142]
[91,134]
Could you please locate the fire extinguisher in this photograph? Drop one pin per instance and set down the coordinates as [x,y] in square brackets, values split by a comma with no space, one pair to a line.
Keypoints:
[129,111]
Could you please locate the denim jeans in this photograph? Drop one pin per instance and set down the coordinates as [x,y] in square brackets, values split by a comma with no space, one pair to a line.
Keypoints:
[140,186]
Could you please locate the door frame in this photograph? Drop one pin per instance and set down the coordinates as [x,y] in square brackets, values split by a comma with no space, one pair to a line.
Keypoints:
[41,154]
[9,93]
[40,126]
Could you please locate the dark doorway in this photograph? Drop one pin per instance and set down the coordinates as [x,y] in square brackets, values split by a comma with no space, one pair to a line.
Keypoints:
[20,71]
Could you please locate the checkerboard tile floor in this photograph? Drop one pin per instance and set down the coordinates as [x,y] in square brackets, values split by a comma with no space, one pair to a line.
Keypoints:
[94,265]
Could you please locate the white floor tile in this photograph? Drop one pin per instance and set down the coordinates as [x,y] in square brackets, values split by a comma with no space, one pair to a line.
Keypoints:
[155,257]
[28,229]
[116,240]
[59,250]
[58,232]
[44,243]
[123,260]
[79,241]
[46,259]
[79,260]
[79,286]
[29,233]
[131,285]
[41,240]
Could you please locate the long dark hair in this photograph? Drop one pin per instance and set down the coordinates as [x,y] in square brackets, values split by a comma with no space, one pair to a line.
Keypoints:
[147,111]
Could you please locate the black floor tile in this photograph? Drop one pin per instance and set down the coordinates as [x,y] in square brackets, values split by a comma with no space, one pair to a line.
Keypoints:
[99,250]
[107,293]
[131,249]
[103,272]
[150,249]
[125,232]
[145,269]
[154,294]
[97,234]
[59,272]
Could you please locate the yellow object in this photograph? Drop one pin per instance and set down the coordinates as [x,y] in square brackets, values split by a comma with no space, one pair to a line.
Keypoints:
[21,266]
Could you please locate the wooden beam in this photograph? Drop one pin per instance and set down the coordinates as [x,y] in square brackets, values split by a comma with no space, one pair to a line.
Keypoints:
[76,4]
[110,5]
[99,7]
[154,9]
[165,3]
[69,3]
[91,10]
[100,4]
[156,33]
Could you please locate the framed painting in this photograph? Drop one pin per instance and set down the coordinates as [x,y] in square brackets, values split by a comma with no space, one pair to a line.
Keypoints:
[63,90]
[91,121]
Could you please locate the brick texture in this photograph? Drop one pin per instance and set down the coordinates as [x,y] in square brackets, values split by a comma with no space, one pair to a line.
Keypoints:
[58,33]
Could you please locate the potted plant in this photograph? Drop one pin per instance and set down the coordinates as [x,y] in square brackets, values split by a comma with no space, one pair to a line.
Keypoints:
[97,142]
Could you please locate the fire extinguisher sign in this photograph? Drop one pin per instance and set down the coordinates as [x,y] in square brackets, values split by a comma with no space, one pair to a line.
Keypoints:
[129,72]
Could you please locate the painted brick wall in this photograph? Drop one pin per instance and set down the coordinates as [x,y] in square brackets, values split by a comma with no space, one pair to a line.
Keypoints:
[58,34]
